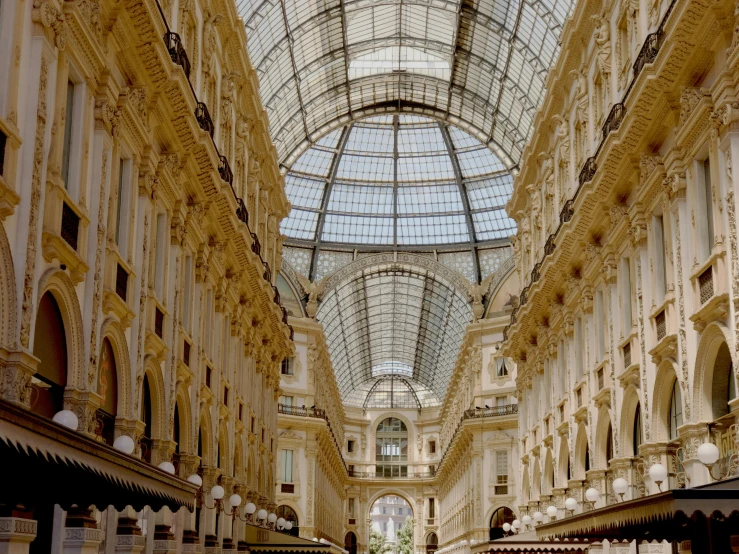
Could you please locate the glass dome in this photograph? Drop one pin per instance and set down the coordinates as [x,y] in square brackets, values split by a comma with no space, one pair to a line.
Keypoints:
[398,181]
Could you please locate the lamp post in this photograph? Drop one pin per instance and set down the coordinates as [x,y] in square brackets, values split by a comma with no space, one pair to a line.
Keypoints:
[658,474]
[620,487]
[506,528]
[592,495]
[571,505]
[552,513]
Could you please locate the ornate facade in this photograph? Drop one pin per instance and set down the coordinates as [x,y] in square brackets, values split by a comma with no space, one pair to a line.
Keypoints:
[625,336]
[139,244]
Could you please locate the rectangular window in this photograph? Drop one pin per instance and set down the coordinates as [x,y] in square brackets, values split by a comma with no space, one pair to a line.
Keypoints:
[120,227]
[432,508]
[350,446]
[501,472]
[579,347]
[708,204]
[626,295]
[501,401]
[600,323]
[287,466]
[660,272]
[160,255]
[208,327]
[225,395]
[187,297]
[68,123]
[351,506]
[286,401]
[562,369]
[432,447]
[287,366]
[502,367]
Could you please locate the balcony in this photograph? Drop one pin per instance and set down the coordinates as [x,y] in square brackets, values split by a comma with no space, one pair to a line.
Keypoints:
[204,120]
[649,51]
[495,411]
[381,475]
[301,411]
[177,51]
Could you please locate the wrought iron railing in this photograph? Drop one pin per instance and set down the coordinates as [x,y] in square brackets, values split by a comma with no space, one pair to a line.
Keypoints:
[648,53]
[705,285]
[177,52]
[204,119]
[614,119]
[383,475]
[224,170]
[495,411]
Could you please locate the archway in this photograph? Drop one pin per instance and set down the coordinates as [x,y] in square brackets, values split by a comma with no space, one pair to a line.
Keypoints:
[391,441]
[50,347]
[107,387]
[350,543]
[391,523]
[432,543]
[500,516]
[290,515]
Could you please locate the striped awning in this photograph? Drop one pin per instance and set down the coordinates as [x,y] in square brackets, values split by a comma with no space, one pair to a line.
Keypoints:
[663,516]
[41,459]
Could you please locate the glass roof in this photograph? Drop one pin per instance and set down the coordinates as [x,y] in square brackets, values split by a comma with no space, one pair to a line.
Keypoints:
[393,333]
[398,181]
[481,64]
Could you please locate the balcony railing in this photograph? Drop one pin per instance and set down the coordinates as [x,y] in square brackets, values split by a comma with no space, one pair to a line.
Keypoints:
[204,120]
[381,475]
[648,53]
[301,411]
[177,52]
[224,170]
[495,411]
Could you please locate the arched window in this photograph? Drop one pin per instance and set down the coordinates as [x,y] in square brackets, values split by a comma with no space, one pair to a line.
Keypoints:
[636,438]
[391,443]
[724,384]
[289,514]
[432,543]
[499,517]
[146,417]
[350,543]
[609,444]
[676,410]
[176,437]
[586,463]
[50,347]
[108,389]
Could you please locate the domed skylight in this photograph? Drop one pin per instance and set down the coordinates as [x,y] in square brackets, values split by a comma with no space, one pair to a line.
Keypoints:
[398,181]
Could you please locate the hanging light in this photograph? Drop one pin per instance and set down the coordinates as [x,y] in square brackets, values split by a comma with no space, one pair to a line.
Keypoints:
[250,508]
[234,500]
[217,492]
[262,514]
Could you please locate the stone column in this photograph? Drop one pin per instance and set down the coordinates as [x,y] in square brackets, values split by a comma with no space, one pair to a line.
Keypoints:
[128,537]
[16,534]
[81,535]
[164,539]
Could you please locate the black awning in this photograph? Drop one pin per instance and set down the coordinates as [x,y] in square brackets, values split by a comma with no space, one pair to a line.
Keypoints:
[678,514]
[41,460]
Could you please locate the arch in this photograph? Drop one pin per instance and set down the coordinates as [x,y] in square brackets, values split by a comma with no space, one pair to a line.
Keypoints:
[289,511]
[525,485]
[500,515]
[261,477]
[114,332]
[8,300]
[547,483]
[106,384]
[239,472]
[410,427]
[223,450]
[157,389]
[350,542]
[713,337]
[391,457]
[664,382]
[629,406]
[58,283]
[536,492]
[205,442]
[51,347]
[389,492]
[563,463]
[582,452]
[187,435]
[251,473]
[603,432]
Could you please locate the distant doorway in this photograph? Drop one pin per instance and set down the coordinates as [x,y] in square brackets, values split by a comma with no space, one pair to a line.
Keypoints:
[350,543]
[500,516]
